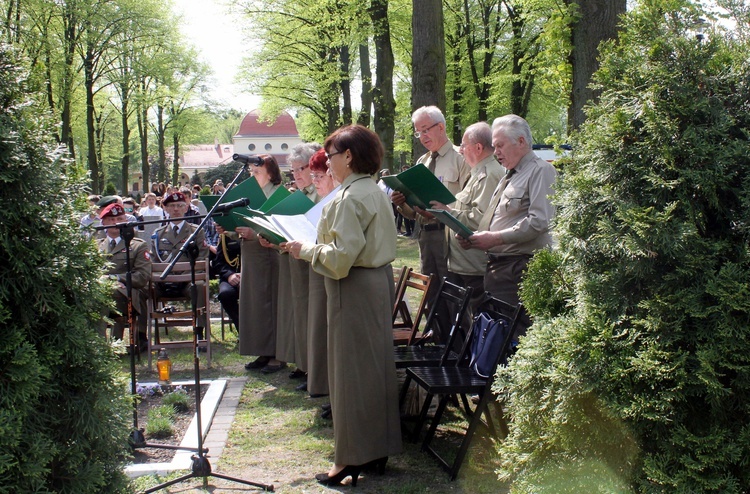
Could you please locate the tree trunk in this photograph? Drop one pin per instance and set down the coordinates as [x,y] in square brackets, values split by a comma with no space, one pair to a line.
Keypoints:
[383,100]
[428,59]
[346,92]
[125,160]
[176,158]
[364,66]
[597,21]
[93,162]
[142,121]
[160,143]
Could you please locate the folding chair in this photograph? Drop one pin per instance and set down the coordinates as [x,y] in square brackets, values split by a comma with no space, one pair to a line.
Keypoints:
[162,315]
[405,332]
[462,379]
[455,300]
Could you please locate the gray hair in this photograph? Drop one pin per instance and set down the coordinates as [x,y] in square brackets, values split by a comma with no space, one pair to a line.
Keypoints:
[431,111]
[301,153]
[479,133]
[514,127]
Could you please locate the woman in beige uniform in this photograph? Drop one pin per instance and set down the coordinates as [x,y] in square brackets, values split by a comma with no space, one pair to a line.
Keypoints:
[259,283]
[357,243]
[317,319]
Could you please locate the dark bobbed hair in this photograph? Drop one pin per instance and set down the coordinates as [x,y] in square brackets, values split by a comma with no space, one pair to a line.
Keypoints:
[363,144]
[272,167]
[319,162]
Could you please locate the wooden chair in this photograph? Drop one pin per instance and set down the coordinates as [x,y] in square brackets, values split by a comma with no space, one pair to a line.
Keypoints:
[459,379]
[450,297]
[162,315]
[405,324]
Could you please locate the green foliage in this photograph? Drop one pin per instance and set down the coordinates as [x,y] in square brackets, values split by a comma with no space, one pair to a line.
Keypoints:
[159,421]
[63,413]
[642,383]
[110,189]
[225,172]
[177,399]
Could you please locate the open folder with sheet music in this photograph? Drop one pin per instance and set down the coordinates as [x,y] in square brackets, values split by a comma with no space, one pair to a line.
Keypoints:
[249,189]
[280,224]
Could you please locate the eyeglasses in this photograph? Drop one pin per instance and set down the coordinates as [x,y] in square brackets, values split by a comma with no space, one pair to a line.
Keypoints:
[319,176]
[420,133]
[300,169]
[329,156]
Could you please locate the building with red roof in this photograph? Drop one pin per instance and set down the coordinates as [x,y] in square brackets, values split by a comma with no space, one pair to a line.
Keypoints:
[260,137]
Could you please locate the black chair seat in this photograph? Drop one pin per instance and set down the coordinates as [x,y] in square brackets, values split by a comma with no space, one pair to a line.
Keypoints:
[421,356]
[447,380]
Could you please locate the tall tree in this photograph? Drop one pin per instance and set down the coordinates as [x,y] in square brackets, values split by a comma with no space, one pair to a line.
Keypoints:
[383,98]
[595,21]
[428,58]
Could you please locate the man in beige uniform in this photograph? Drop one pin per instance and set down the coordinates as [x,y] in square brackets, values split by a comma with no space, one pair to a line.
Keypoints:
[444,160]
[517,221]
[467,267]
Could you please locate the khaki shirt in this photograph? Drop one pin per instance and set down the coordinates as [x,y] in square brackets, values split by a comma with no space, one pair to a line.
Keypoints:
[355,230]
[140,260]
[311,193]
[450,168]
[167,244]
[524,211]
[469,208]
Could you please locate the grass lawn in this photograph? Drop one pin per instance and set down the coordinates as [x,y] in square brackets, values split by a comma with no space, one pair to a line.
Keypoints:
[278,438]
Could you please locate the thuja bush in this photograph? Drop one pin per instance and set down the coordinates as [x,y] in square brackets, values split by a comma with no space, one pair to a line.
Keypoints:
[63,418]
[639,381]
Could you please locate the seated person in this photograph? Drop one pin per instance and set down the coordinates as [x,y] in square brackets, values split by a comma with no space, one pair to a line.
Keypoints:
[140,269]
[169,239]
[227,266]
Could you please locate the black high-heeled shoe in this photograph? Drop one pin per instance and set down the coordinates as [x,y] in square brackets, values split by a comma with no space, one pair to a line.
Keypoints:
[376,465]
[349,470]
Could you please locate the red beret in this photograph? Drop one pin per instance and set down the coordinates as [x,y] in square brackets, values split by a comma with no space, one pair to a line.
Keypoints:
[173,197]
[113,210]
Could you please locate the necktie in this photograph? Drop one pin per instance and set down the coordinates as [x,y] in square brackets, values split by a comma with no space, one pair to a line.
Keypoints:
[112,244]
[433,161]
[176,231]
[484,225]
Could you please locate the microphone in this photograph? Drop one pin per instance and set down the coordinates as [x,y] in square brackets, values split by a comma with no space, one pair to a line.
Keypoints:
[248,159]
[221,208]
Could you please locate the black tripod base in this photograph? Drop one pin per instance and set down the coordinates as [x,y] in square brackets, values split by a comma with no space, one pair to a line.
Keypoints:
[202,468]
[137,439]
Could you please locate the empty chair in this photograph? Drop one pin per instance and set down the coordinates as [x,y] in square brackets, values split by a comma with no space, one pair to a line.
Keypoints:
[454,299]
[161,314]
[494,324]
[405,324]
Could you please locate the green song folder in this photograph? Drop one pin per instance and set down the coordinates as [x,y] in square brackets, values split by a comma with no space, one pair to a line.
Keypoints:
[451,222]
[420,186]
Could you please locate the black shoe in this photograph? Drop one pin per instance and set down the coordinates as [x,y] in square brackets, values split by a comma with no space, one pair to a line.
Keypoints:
[318,395]
[302,387]
[258,363]
[327,414]
[270,369]
[349,470]
[325,406]
[376,466]
[297,374]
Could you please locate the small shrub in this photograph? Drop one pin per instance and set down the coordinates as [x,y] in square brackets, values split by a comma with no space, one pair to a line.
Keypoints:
[178,399]
[159,421]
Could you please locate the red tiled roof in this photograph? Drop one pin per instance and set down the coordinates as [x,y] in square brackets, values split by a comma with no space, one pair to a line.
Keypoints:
[251,127]
[206,155]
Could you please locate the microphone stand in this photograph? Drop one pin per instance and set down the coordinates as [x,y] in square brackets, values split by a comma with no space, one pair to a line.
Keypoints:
[136,439]
[200,466]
